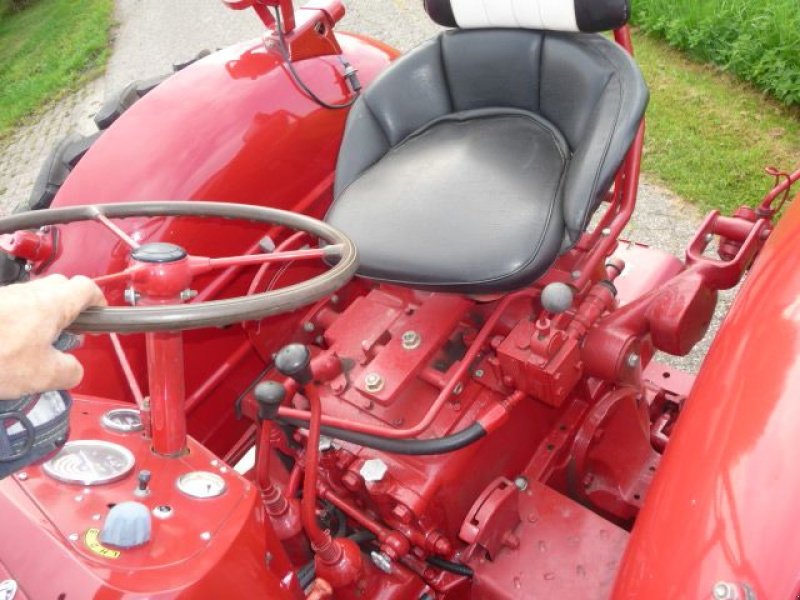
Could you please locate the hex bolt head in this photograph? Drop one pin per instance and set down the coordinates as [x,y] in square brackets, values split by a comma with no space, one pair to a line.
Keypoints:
[521,483]
[633,360]
[374,382]
[411,340]
[373,470]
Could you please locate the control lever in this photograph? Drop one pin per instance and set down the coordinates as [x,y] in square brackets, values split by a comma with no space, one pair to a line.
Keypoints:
[284,513]
[337,560]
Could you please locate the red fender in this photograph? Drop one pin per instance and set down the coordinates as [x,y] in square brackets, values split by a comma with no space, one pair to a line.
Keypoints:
[724,503]
[233,127]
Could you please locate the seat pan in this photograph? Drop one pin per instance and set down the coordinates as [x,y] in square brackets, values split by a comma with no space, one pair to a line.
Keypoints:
[470,203]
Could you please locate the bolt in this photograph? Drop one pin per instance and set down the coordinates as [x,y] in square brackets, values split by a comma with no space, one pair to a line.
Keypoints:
[28,267]
[373,470]
[374,382]
[380,560]
[633,360]
[131,296]
[308,327]
[478,373]
[458,388]
[411,340]
[576,274]
[606,231]
[22,476]
[325,443]
[724,591]
[521,483]
[188,294]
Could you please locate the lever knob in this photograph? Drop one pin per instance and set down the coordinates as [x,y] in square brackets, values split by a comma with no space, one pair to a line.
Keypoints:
[269,396]
[127,525]
[294,361]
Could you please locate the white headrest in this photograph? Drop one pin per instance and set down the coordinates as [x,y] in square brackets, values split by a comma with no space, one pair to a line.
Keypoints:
[556,15]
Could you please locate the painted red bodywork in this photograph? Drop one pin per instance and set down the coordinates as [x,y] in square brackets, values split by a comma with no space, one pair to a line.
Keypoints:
[722,505]
[576,412]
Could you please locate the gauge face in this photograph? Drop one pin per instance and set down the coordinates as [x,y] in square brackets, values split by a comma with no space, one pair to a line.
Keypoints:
[90,462]
[201,484]
[122,420]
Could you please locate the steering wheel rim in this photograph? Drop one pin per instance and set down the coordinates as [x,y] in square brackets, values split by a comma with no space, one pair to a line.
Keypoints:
[215,313]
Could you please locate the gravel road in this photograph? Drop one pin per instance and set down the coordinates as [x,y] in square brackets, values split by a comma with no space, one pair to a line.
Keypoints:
[153,34]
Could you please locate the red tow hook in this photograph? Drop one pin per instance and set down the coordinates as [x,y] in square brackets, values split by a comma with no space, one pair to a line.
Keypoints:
[338,560]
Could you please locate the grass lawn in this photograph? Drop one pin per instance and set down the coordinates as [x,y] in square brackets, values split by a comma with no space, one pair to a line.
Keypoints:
[46,49]
[709,136]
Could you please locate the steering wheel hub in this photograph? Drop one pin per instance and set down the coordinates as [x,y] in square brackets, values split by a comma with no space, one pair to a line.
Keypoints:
[158,252]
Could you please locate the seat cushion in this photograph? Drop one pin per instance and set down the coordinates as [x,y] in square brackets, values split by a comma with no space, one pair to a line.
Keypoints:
[470,203]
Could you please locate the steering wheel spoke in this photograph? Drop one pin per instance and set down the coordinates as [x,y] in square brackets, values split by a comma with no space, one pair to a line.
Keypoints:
[200,265]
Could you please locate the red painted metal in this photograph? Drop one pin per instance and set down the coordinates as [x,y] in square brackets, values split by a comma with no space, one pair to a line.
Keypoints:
[576,412]
[179,561]
[724,494]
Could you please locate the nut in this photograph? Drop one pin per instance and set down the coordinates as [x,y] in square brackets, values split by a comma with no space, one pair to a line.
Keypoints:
[411,340]
[373,470]
[374,382]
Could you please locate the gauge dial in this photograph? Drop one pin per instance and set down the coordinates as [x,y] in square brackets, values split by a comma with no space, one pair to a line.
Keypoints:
[90,462]
[201,484]
[122,420]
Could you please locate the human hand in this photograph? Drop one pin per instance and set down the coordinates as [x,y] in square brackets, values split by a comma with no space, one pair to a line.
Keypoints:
[32,316]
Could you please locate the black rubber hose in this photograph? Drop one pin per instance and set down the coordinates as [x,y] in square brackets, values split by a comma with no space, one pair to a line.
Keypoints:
[452,567]
[443,445]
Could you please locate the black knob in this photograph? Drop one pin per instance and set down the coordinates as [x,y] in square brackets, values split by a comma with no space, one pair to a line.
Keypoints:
[270,396]
[294,361]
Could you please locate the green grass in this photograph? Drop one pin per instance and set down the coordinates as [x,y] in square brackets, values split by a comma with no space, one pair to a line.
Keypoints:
[47,49]
[709,135]
[758,40]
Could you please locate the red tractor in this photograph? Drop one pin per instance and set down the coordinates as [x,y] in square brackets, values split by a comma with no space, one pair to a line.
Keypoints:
[373,333]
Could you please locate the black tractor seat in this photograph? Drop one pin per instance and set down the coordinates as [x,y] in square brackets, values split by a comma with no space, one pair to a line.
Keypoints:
[477,158]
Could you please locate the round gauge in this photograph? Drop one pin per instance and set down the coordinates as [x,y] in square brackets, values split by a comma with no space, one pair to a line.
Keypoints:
[122,420]
[90,462]
[201,484]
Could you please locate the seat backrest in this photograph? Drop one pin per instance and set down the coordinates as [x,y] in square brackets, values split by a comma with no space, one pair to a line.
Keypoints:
[552,15]
[585,85]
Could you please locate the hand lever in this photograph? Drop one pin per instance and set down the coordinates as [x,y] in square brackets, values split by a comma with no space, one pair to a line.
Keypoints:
[294,361]
[269,397]
[338,561]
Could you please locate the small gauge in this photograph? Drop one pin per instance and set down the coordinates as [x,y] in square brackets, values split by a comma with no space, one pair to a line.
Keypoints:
[122,420]
[90,462]
[201,484]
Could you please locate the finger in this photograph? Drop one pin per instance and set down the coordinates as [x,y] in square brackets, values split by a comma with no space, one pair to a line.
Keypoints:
[76,295]
[65,372]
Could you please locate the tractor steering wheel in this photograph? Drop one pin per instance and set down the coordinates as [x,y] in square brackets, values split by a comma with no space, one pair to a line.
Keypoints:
[162,270]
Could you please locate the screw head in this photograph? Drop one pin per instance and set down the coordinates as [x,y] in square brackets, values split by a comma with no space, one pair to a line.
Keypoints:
[633,360]
[188,294]
[22,475]
[521,483]
[373,470]
[308,327]
[411,340]
[478,373]
[374,382]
